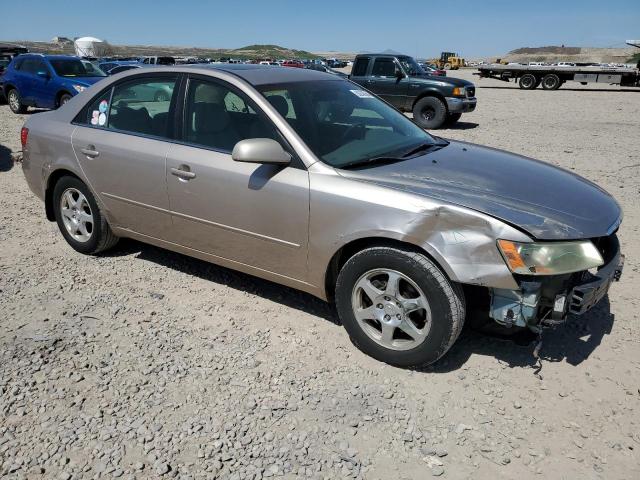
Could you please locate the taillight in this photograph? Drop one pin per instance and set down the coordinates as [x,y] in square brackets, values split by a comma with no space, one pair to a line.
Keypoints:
[24,135]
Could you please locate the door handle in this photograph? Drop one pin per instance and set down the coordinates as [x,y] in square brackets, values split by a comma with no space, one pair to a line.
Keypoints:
[90,151]
[183,172]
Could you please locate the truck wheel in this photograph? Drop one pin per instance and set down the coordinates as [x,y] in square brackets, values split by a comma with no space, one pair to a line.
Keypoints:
[15,102]
[430,112]
[452,119]
[528,82]
[398,307]
[447,66]
[551,81]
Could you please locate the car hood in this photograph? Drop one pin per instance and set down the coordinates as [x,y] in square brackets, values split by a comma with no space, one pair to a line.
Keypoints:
[546,202]
[456,82]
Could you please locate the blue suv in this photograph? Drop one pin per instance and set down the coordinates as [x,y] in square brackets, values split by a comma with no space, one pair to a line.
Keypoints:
[46,81]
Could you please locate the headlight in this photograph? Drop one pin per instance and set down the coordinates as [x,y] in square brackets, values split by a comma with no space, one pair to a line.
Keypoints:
[460,92]
[550,258]
[79,88]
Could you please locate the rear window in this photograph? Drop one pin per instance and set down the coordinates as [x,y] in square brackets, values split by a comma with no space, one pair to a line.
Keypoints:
[33,66]
[74,68]
[360,67]
[140,106]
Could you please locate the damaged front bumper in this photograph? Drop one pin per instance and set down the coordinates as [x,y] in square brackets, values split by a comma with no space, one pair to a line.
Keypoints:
[544,301]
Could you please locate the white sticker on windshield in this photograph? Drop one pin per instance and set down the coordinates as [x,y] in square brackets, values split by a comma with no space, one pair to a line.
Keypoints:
[102,119]
[361,94]
[94,117]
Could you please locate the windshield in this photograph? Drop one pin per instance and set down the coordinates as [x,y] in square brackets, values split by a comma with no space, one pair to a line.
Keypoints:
[410,66]
[71,67]
[343,124]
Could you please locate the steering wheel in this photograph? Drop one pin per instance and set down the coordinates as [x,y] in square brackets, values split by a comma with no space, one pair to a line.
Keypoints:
[357,130]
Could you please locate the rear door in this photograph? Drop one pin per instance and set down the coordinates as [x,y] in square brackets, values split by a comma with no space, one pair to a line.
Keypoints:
[121,144]
[25,79]
[42,87]
[254,214]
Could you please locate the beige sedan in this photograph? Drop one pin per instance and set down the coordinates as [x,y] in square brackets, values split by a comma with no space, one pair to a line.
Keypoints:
[309,180]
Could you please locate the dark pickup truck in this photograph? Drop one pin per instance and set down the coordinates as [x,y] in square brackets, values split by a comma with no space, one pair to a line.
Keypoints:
[398,79]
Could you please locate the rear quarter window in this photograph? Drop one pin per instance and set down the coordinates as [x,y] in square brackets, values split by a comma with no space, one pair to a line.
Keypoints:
[360,67]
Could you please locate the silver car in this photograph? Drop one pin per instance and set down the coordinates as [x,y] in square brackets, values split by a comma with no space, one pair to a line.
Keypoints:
[310,181]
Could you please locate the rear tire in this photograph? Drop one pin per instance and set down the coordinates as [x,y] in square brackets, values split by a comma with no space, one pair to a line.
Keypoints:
[64,98]
[430,112]
[431,334]
[551,82]
[15,102]
[79,218]
[528,82]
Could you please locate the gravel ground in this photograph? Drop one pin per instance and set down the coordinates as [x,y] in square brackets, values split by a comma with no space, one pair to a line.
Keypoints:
[145,364]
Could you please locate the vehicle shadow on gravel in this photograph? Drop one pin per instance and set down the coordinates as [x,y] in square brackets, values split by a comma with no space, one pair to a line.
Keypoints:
[574,341]
[462,126]
[237,280]
[6,161]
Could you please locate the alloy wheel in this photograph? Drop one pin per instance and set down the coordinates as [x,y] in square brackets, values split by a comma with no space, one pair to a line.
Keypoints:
[391,309]
[76,215]
[14,101]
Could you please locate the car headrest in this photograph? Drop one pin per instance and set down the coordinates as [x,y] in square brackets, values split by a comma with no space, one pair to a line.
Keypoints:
[209,118]
[280,104]
[135,119]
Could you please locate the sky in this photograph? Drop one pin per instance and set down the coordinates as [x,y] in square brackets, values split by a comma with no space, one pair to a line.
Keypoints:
[421,28]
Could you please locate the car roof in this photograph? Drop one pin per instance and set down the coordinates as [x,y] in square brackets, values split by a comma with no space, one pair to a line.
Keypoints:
[255,74]
[53,57]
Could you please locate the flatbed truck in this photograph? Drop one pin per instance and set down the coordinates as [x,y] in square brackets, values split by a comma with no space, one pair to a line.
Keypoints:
[551,77]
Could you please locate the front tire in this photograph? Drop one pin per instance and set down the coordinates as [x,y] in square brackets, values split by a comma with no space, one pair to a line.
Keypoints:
[430,112]
[398,307]
[15,102]
[79,218]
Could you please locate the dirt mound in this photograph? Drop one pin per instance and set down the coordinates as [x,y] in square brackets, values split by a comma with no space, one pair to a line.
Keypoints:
[544,50]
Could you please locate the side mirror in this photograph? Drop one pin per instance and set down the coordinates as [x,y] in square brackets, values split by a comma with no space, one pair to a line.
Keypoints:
[399,74]
[260,150]
[43,74]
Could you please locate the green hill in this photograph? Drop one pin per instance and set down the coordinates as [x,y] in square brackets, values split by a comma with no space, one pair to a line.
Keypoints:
[269,51]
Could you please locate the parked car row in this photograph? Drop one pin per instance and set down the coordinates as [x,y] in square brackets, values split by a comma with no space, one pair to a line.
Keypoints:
[49,81]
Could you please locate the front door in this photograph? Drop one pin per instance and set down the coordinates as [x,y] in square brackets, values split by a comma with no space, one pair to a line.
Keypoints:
[385,83]
[253,214]
[121,147]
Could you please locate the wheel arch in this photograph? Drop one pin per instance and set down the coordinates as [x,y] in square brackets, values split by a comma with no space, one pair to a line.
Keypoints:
[348,250]
[53,178]
[9,86]
[429,93]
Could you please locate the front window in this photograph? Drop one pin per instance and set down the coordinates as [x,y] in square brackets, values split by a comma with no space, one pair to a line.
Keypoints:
[218,117]
[343,124]
[410,66]
[74,68]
